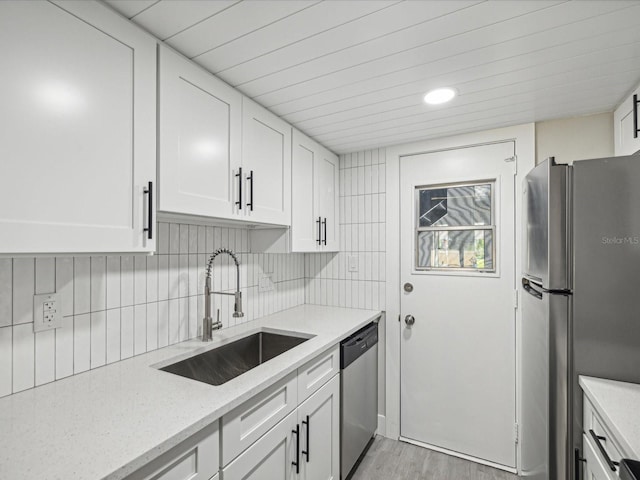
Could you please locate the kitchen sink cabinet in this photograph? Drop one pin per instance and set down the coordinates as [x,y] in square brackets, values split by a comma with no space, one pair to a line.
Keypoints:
[266,165]
[314,219]
[626,125]
[77,133]
[308,437]
[200,120]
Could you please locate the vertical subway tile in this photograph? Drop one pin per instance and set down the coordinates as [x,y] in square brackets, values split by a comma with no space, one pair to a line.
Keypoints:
[360,159]
[6,295]
[45,357]
[81,343]
[367,180]
[209,246]
[126,281]
[174,321]
[184,239]
[64,284]
[64,348]
[368,208]
[202,239]
[113,335]
[367,157]
[152,278]
[382,176]
[6,361]
[174,238]
[81,285]
[113,282]
[23,357]
[360,180]
[375,187]
[152,326]
[140,280]
[45,275]
[382,208]
[98,283]
[183,275]
[98,339]
[126,332]
[193,317]
[347,182]
[193,239]
[163,323]
[183,329]
[375,156]
[194,269]
[174,276]
[140,329]
[163,238]
[23,289]
[163,277]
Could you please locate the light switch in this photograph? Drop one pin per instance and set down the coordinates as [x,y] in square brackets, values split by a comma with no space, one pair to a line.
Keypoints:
[353,263]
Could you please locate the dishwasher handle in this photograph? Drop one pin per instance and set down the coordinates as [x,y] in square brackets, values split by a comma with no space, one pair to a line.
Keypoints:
[358,344]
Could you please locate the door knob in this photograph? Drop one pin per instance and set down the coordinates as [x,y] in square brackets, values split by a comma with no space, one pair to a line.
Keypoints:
[409,320]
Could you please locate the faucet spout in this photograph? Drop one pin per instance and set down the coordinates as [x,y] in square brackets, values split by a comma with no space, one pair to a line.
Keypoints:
[207,323]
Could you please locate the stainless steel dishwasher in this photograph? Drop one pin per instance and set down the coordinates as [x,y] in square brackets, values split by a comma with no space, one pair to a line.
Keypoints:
[359,395]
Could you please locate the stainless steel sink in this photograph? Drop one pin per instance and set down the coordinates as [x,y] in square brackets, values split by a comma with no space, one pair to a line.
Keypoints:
[226,362]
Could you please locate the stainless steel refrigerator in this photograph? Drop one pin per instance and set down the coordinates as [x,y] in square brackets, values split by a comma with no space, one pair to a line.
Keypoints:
[580,300]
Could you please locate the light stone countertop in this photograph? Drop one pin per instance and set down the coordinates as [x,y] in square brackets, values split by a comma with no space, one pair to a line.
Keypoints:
[618,403]
[108,422]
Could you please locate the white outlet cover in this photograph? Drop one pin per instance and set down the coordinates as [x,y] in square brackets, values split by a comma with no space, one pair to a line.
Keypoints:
[49,317]
[353,263]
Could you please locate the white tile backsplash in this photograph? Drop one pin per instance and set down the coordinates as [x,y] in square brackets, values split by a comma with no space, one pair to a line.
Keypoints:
[115,307]
[362,230]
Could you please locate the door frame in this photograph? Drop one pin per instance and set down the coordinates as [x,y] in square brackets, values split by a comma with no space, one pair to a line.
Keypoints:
[524,138]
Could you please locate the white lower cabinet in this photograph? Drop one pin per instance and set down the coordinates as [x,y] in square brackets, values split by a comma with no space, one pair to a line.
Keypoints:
[197,458]
[305,445]
[594,468]
[600,447]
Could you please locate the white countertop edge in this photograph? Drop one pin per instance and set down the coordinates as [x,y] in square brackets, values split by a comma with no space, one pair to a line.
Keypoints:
[324,324]
[616,402]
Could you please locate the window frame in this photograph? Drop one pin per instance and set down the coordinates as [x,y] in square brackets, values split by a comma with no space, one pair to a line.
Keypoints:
[493,227]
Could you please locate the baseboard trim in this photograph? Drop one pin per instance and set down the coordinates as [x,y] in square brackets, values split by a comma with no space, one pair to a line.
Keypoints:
[459,455]
[382,425]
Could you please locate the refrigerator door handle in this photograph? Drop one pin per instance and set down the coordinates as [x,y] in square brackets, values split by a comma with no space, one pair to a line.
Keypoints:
[526,284]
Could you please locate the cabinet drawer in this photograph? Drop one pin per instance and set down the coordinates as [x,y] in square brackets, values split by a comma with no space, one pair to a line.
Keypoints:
[247,423]
[592,421]
[197,458]
[595,467]
[317,372]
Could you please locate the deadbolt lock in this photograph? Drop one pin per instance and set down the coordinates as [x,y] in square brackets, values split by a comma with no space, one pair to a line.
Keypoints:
[408,287]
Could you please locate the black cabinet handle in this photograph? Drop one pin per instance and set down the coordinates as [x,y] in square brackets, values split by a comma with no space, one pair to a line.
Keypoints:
[250,178]
[635,116]
[296,432]
[324,224]
[306,452]
[599,439]
[319,222]
[149,228]
[577,464]
[239,175]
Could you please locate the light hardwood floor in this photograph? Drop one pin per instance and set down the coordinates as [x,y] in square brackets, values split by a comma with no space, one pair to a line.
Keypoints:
[391,460]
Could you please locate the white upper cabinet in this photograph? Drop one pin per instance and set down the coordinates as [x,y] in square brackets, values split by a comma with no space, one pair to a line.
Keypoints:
[626,125]
[266,165]
[77,132]
[314,218]
[199,136]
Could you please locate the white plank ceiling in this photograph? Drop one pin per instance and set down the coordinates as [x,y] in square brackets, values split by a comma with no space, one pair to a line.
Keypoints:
[352,73]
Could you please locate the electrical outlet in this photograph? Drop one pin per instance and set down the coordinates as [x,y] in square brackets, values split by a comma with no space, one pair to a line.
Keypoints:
[47,313]
[265,283]
[353,263]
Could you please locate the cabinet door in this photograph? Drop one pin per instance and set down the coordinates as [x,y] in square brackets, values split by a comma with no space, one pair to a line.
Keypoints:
[266,164]
[625,120]
[77,132]
[270,458]
[305,233]
[594,467]
[200,128]
[319,419]
[328,208]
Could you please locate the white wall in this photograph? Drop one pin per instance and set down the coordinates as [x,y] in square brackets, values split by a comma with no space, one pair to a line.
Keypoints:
[118,306]
[575,138]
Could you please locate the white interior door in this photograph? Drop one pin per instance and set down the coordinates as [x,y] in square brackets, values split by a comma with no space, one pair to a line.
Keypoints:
[458,360]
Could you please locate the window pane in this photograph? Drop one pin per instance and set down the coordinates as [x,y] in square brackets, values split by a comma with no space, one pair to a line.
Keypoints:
[471,249]
[455,206]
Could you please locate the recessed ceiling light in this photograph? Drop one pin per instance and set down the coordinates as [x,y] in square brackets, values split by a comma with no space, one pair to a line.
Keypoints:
[439,95]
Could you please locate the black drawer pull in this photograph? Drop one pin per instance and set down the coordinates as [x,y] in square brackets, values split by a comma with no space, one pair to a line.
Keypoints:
[319,222]
[635,116]
[599,439]
[296,432]
[239,175]
[250,178]
[149,228]
[324,224]
[306,452]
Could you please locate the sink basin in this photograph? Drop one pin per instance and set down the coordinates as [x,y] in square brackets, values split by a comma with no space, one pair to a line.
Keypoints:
[219,365]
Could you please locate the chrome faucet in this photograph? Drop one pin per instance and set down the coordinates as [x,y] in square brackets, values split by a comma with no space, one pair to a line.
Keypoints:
[207,322]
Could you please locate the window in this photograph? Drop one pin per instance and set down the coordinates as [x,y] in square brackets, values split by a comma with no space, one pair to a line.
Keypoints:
[455,227]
